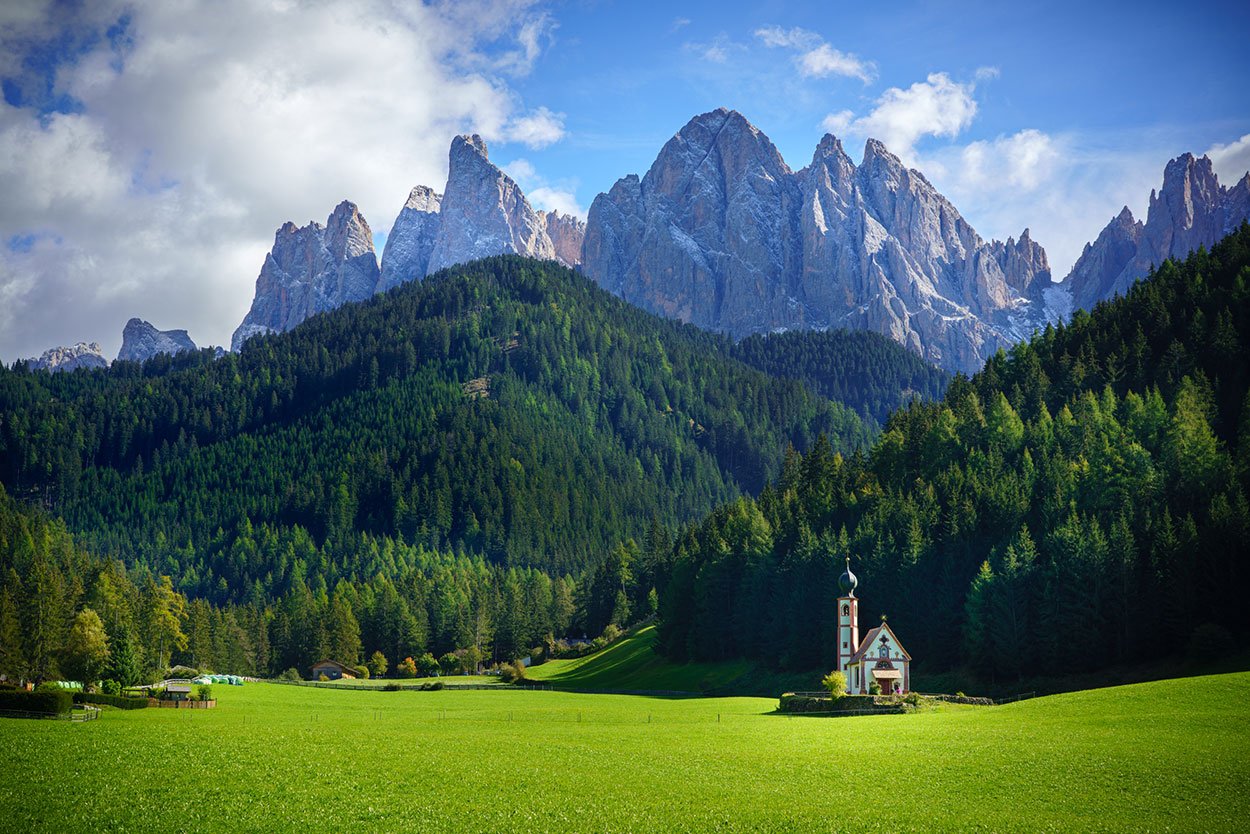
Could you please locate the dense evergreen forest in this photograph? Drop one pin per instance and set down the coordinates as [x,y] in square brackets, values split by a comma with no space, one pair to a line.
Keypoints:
[1080,502]
[64,612]
[458,469]
[871,373]
[508,409]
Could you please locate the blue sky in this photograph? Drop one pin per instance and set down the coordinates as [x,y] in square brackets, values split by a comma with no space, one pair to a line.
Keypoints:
[148,153]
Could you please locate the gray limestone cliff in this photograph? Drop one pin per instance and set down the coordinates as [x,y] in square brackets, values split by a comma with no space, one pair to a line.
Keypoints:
[483,212]
[81,355]
[406,256]
[141,341]
[721,233]
[1191,210]
[567,234]
[312,269]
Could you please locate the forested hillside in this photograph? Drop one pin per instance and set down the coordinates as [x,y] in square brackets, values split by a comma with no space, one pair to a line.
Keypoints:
[507,409]
[1081,501]
[871,373]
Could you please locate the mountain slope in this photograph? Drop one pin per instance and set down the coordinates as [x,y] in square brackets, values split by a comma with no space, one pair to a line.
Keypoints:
[1088,489]
[863,370]
[508,407]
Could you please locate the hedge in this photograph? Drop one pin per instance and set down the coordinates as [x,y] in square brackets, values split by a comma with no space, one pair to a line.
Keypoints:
[48,702]
[119,701]
[847,703]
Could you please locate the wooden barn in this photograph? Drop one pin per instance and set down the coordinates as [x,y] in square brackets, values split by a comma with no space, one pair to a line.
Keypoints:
[332,669]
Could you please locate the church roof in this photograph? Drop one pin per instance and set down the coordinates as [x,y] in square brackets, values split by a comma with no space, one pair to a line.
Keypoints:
[871,638]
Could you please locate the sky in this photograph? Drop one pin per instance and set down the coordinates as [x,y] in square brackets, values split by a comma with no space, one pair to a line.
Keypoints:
[149,149]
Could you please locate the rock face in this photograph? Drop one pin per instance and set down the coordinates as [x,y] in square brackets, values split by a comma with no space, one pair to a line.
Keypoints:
[1191,210]
[81,355]
[141,341]
[481,212]
[567,234]
[310,270]
[411,241]
[484,212]
[720,232]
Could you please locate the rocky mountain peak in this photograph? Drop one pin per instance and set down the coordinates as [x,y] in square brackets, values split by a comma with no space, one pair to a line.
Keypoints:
[1191,209]
[411,241]
[141,341]
[484,212]
[423,198]
[468,146]
[81,355]
[567,234]
[312,269]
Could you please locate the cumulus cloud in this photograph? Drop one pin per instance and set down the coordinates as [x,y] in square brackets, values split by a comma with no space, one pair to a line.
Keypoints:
[1023,160]
[543,194]
[937,106]
[145,174]
[537,129]
[1231,161]
[815,58]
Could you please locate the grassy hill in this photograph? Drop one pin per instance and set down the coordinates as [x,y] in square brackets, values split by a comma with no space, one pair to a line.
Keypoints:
[632,664]
[1167,756]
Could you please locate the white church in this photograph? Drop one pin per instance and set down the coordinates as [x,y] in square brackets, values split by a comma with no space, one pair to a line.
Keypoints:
[879,657]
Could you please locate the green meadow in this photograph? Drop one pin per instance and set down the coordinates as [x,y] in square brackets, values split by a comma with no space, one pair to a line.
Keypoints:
[1167,756]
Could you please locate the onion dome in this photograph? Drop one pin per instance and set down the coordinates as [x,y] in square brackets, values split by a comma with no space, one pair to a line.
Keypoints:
[847,581]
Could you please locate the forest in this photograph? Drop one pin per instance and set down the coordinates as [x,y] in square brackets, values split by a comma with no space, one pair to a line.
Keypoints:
[866,371]
[461,465]
[1080,502]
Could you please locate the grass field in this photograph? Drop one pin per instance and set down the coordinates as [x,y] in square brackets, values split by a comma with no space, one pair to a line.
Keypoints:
[1149,757]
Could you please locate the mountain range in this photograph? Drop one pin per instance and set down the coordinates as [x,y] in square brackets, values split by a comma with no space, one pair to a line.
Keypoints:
[722,233]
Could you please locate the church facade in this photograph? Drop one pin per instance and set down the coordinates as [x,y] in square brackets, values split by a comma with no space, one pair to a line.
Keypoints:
[879,657]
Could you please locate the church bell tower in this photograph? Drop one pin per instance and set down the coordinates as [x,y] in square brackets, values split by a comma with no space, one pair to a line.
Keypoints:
[848,619]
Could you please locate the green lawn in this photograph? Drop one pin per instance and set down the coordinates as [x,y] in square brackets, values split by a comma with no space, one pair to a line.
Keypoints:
[1149,757]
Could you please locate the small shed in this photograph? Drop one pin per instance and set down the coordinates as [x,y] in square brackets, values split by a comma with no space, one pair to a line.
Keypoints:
[177,691]
[332,669]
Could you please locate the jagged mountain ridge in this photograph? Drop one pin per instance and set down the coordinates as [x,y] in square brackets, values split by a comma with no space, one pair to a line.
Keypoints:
[481,212]
[141,341]
[721,232]
[1190,210]
[312,269]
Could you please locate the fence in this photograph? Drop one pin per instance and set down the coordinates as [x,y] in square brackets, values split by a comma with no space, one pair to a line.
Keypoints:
[1023,696]
[390,685]
[188,704]
[78,714]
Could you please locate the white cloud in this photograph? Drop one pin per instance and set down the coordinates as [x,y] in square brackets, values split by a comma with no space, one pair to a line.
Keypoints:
[1064,188]
[837,123]
[542,194]
[815,58]
[555,199]
[1231,161]
[824,60]
[1023,160]
[160,197]
[936,106]
[678,23]
[796,38]
[537,129]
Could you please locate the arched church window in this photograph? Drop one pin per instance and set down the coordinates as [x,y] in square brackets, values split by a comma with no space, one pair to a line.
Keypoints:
[846,610]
